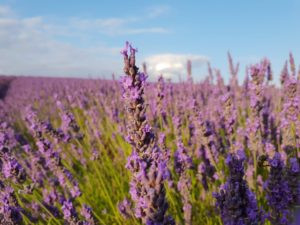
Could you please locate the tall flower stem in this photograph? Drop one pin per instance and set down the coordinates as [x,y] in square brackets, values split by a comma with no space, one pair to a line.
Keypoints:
[148,169]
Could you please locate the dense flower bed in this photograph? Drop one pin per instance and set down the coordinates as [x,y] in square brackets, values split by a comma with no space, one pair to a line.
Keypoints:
[78,151]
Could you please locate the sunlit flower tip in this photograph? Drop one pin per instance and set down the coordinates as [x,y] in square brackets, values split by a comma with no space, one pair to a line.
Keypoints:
[124,51]
[132,50]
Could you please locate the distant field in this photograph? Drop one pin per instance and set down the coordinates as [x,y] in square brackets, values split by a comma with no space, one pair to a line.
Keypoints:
[198,153]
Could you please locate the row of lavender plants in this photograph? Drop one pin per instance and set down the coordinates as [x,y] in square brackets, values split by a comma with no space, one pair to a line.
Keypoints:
[85,152]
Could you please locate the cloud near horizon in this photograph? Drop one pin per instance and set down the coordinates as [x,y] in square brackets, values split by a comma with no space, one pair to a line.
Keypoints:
[174,65]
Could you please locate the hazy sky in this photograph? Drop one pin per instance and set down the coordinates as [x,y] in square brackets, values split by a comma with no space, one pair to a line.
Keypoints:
[83,38]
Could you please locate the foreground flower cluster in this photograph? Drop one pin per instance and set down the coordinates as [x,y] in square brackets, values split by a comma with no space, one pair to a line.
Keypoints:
[86,152]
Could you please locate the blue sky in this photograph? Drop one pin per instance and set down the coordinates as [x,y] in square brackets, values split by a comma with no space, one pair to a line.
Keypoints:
[83,38]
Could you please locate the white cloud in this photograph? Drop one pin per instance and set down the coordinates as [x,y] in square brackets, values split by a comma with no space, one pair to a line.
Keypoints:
[106,26]
[116,26]
[112,26]
[173,65]
[29,46]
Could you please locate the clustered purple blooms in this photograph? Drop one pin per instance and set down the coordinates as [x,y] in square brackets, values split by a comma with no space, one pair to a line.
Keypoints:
[289,116]
[254,123]
[11,168]
[146,162]
[11,171]
[215,135]
[283,180]
[206,171]
[182,163]
[9,165]
[47,162]
[38,126]
[30,153]
[293,178]
[10,211]
[69,212]
[256,86]
[277,186]
[86,212]
[206,152]
[193,106]
[125,208]
[229,114]
[69,125]
[236,202]
[166,155]
[50,197]
[50,156]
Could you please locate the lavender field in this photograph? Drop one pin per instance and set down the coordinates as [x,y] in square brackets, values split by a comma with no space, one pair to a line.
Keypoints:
[129,151]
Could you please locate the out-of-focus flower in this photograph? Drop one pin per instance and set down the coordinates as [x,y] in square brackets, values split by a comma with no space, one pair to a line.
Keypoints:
[236,202]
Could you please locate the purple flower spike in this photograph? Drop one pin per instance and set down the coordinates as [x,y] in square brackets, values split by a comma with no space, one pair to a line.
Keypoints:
[236,202]
[145,163]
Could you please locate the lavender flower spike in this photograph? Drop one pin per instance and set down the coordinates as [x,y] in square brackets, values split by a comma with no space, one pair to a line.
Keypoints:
[146,162]
[236,202]
[282,182]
